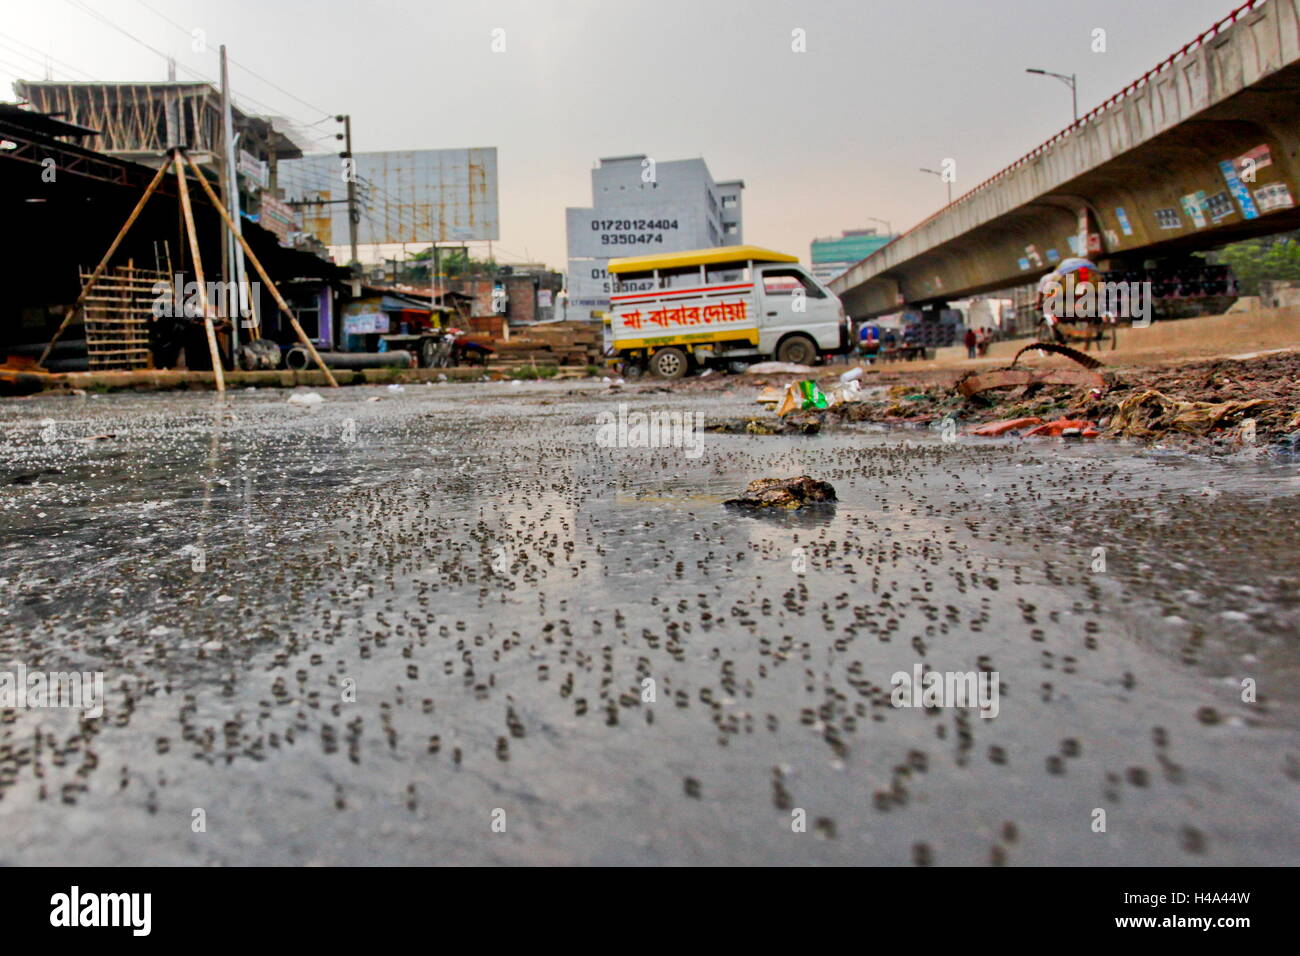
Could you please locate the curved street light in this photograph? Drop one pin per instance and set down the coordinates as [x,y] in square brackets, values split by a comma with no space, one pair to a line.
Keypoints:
[889,230]
[1072,81]
[935,172]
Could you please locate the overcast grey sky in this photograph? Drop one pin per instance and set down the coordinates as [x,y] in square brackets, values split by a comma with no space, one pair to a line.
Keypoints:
[823,138]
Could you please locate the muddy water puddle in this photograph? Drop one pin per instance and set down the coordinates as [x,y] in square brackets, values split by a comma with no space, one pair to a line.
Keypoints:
[448,625]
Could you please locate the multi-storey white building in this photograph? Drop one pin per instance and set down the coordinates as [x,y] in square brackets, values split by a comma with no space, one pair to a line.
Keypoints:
[640,206]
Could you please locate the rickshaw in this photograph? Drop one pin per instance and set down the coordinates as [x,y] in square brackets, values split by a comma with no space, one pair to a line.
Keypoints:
[1058,287]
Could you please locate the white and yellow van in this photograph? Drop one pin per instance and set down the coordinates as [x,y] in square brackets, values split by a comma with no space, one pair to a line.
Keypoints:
[676,311]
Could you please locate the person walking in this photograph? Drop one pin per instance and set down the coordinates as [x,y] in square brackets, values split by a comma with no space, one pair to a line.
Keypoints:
[970,342]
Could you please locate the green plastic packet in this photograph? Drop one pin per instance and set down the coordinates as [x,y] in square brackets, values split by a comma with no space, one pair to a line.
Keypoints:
[800,396]
[813,397]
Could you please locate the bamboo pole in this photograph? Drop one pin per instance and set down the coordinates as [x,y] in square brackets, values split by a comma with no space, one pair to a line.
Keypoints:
[218,373]
[252,257]
[103,263]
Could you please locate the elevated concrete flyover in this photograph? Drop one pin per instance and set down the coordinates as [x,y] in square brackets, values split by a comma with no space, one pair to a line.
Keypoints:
[1202,150]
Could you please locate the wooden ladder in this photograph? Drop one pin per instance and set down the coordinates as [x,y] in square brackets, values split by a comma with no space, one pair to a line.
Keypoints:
[118,312]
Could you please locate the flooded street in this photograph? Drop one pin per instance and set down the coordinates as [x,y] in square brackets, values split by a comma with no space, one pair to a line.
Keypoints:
[446,625]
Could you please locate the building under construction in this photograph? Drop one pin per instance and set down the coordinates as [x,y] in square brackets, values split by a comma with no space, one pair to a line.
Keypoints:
[138,121]
[64,202]
[130,120]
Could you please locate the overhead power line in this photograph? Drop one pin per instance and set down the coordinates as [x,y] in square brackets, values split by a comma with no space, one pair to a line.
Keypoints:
[44,58]
[265,108]
[247,69]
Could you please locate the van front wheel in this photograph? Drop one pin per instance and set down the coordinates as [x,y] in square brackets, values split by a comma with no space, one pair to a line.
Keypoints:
[669,363]
[798,349]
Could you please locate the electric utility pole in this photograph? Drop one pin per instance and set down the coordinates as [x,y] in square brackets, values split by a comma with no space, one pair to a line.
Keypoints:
[354,215]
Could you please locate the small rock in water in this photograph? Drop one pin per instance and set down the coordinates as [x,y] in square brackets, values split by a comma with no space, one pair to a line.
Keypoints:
[783,493]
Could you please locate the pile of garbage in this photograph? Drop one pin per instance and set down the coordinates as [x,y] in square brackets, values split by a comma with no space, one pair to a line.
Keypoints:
[1151,414]
[1225,402]
[807,395]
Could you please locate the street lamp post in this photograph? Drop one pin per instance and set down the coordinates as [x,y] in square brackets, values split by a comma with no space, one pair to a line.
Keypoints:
[1072,81]
[935,172]
[889,230]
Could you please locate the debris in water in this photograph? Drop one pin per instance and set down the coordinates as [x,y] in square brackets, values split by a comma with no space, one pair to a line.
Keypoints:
[800,425]
[1076,426]
[783,493]
[993,429]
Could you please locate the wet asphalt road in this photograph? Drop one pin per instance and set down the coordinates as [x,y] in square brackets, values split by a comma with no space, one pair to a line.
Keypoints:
[417,627]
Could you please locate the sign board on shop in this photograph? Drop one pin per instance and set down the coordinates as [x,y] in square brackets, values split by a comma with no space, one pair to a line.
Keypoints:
[278,217]
[253,168]
[365,324]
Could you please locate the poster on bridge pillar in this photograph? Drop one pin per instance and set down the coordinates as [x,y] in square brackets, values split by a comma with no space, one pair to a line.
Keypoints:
[1238,189]
[1274,196]
[1194,205]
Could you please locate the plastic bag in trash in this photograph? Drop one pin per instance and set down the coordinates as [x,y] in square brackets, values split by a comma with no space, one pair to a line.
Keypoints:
[800,396]
[844,392]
